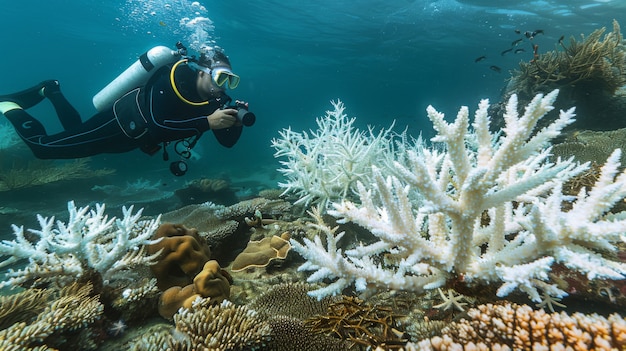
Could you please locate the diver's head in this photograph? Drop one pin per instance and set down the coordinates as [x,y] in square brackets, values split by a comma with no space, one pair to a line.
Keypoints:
[214,62]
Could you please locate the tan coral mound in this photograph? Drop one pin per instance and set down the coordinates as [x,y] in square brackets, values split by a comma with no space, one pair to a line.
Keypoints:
[183,255]
[519,327]
[212,282]
[260,253]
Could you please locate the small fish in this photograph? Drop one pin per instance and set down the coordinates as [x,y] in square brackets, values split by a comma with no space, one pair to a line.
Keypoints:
[530,35]
[495,68]
[514,43]
[480,58]
[506,52]
[162,24]
[561,39]
[517,51]
[517,31]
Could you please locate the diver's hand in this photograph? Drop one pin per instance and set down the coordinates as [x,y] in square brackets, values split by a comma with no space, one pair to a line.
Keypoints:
[221,119]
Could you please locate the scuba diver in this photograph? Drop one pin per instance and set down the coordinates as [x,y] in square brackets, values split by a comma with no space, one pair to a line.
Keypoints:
[164,97]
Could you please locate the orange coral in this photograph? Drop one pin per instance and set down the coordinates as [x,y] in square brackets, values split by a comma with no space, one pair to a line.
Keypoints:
[260,253]
[184,255]
[211,282]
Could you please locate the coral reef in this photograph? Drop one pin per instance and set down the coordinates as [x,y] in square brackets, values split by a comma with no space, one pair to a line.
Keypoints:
[592,146]
[291,300]
[595,61]
[139,192]
[519,327]
[90,245]
[326,165]
[589,73]
[224,227]
[72,308]
[181,253]
[43,172]
[260,253]
[361,324]
[202,190]
[429,214]
[222,327]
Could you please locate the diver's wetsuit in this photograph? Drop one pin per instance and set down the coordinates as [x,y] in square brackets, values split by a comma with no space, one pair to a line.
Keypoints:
[142,118]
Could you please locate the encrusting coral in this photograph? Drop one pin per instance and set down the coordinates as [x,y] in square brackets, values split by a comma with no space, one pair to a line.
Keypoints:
[428,215]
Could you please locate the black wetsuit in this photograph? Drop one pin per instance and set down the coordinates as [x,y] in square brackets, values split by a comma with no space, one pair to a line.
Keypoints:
[142,118]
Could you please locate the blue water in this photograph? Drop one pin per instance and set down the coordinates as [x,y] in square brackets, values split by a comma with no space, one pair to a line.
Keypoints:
[385,59]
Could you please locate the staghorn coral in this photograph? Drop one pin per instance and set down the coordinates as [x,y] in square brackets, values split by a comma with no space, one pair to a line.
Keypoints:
[89,245]
[40,172]
[72,308]
[428,214]
[595,61]
[353,320]
[326,165]
[519,327]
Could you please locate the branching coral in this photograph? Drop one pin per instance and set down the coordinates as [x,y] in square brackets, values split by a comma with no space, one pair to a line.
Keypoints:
[89,244]
[598,60]
[441,236]
[326,165]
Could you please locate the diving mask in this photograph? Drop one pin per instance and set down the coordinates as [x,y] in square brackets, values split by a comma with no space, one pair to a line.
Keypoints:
[222,75]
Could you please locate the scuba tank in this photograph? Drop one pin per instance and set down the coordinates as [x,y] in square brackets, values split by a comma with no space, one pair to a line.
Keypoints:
[137,74]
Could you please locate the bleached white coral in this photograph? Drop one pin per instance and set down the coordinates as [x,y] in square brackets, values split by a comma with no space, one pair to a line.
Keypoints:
[89,241]
[489,213]
[326,165]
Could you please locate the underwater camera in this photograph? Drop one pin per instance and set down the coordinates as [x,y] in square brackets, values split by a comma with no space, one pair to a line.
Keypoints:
[244,116]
